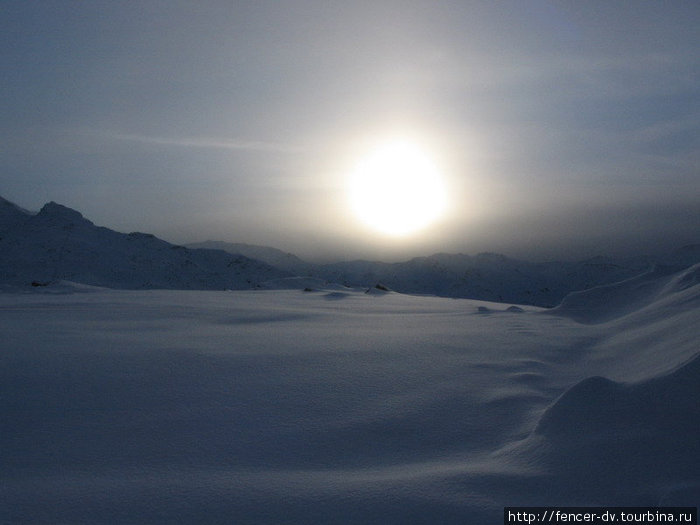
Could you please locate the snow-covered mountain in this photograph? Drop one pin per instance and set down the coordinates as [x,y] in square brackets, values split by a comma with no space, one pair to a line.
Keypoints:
[11,215]
[58,243]
[486,276]
[272,256]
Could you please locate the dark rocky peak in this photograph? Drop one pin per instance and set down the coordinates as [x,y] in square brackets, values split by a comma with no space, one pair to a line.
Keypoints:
[57,212]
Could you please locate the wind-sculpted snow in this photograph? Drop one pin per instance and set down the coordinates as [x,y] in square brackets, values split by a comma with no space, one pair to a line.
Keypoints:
[604,303]
[598,408]
[627,442]
[338,406]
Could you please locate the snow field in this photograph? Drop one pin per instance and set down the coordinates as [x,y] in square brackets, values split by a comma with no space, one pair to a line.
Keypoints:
[336,406]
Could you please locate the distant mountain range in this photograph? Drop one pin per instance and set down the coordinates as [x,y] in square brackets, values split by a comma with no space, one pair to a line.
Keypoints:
[272,256]
[486,276]
[58,243]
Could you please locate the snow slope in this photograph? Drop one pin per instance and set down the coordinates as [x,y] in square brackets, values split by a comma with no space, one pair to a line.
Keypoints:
[59,243]
[602,303]
[337,406]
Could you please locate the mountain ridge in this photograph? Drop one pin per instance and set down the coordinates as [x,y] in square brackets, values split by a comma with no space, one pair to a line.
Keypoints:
[60,243]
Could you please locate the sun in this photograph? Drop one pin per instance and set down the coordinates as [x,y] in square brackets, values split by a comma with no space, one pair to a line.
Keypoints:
[396,189]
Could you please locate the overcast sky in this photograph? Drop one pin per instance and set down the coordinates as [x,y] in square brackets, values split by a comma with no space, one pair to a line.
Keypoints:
[562,128]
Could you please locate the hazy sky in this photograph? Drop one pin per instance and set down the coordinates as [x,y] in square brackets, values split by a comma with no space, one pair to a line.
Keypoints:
[562,128]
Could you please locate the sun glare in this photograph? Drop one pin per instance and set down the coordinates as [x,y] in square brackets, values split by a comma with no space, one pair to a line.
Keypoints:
[396,189]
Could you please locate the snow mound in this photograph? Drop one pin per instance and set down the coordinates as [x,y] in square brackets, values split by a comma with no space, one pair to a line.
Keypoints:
[494,308]
[59,287]
[378,289]
[67,287]
[683,280]
[334,296]
[295,283]
[598,407]
[605,303]
[601,433]
[632,443]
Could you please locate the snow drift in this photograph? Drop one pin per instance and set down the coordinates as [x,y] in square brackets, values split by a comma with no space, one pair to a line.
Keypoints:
[282,406]
[603,303]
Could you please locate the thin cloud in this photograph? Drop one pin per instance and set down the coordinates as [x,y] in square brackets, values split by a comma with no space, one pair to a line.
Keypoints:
[207,142]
